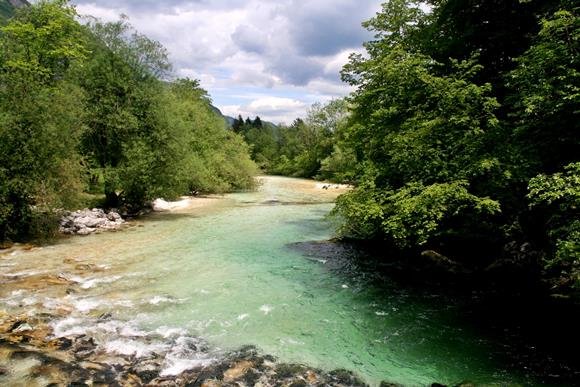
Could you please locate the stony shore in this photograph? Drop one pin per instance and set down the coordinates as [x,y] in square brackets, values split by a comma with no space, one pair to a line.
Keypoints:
[33,353]
[30,355]
[85,222]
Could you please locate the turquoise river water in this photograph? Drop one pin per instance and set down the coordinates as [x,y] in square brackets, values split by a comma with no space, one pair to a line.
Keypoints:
[231,274]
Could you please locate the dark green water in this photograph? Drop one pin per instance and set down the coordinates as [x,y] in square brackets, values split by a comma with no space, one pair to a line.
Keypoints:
[232,275]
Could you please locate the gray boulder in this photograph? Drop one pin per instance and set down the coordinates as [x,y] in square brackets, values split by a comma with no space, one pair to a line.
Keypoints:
[85,222]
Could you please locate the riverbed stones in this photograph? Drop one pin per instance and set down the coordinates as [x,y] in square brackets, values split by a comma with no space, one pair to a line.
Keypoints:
[83,362]
[237,371]
[83,346]
[85,222]
[147,369]
[31,351]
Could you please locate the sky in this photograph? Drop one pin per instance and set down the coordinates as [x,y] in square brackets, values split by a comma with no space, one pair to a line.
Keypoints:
[273,59]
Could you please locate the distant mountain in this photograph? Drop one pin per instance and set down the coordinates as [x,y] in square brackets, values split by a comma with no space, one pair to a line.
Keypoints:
[7,8]
[230,120]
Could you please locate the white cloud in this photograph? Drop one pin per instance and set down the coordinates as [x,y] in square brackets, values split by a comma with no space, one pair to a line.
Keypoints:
[106,14]
[275,104]
[280,55]
[328,90]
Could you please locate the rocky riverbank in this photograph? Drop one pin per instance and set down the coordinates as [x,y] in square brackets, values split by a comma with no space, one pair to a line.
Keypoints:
[44,341]
[60,339]
[85,222]
[29,351]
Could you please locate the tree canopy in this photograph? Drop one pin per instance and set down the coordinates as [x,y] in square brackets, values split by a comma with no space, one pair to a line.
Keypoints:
[461,135]
[464,122]
[85,109]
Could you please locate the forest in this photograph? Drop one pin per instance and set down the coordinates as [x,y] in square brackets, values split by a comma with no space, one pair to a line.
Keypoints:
[461,137]
[88,117]
[421,228]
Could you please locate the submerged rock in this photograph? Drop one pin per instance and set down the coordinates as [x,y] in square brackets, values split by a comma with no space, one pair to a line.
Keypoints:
[85,222]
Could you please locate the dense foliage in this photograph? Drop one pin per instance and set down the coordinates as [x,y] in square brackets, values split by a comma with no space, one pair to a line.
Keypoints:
[83,108]
[462,135]
[465,130]
[309,147]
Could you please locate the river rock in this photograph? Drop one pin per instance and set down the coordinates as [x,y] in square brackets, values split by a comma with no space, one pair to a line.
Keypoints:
[23,327]
[83,346]
[85,222]
[147,369]
[443,263]
[237,371]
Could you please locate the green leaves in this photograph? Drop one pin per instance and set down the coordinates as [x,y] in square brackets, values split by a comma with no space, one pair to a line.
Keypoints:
[43,41]
[412,215]
[427,136]
[564,187]
[41,115]
[560,194]
[437,154]
[415,213]
[456,111]
[86,102]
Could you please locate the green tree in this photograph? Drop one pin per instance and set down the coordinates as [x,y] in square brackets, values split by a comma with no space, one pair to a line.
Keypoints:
[545,95]
[555,199]
[421,137]
[257,122]
[216,160]
[41,116]
[129,141]
[238,124]
[457,110]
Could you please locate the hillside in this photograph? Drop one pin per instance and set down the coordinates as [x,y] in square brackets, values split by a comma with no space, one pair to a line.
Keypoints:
[7,8]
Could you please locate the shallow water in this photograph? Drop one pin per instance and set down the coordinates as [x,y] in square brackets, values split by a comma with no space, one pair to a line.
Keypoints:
[232,275]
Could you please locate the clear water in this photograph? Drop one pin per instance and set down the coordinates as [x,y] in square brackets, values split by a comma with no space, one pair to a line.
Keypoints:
[229,275]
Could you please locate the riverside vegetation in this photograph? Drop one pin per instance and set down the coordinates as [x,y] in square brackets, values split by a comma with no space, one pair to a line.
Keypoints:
[85,115]
[460,139]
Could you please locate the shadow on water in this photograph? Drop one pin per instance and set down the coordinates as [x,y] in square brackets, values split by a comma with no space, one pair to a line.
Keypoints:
[533,334]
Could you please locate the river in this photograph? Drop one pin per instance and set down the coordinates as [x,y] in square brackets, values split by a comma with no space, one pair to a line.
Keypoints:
[238,273]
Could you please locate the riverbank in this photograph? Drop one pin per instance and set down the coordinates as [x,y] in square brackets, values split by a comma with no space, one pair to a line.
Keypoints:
[189,287]
[47,346]
[33,354]
[43,341]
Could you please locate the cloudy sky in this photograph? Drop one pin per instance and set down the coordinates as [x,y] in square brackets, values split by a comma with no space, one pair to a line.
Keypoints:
[255,57]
